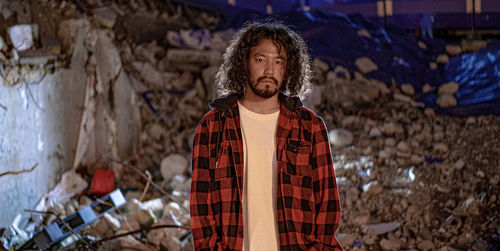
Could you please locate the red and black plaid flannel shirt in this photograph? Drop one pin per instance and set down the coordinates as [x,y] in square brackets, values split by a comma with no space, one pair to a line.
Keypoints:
[308,202]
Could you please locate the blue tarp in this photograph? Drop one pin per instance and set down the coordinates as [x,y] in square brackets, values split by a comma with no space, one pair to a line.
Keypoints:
[478,76]
[334,38]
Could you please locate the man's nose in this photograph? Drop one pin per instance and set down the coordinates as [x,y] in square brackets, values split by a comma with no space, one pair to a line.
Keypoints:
[268,70]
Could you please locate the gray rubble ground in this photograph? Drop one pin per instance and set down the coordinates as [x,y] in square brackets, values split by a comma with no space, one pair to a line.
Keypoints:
[408,178]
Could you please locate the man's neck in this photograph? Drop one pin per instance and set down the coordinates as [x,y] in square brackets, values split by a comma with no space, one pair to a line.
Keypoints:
[260,105]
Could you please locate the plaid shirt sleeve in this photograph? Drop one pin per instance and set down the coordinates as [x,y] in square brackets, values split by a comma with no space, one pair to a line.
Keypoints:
[202,221]
[325,189]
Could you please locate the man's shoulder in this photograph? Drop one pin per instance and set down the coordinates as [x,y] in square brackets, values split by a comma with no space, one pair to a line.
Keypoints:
[308,115]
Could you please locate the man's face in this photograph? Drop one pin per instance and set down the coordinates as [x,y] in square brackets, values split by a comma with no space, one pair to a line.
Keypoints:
[267,69]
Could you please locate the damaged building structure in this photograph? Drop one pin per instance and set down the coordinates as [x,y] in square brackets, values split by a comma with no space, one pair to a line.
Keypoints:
[101,97]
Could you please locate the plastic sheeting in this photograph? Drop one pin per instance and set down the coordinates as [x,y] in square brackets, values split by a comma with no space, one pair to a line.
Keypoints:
[478,77]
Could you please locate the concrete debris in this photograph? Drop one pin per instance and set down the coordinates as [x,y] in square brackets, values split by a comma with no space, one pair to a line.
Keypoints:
[397,179]
[23,36]
[365,65]
[448,88]
[105,17]
[340,137]
[172,165]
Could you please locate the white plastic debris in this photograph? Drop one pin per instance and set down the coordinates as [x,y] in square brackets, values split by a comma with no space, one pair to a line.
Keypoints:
[22,36]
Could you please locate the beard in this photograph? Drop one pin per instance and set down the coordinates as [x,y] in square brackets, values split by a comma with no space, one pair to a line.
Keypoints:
[266,91]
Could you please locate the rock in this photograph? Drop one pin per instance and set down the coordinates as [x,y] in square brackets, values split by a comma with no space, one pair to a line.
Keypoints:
[440,147]
[473,45]
[429,112]
[196,39]
[390,244]
[178,183]
[37,57]
[448,88]
[320,65]
[453,49]
[173,164]
[392,128]
[471,120]
[202,58]
[3,45]
[402,98]
[446,100]
[381,228]
[459,164]
[372,188]
[105,17]
[403,146]
[426,245]
[154,205]
[338,74]
[112,222]
[145,217]
[426,88]
[415,159]
[433,65]
[391,142]
[422,45]
[364,33]
[375,132]
[408,89]
[443,59]
[346,240]
[365,65]
[23,35]
[340,137]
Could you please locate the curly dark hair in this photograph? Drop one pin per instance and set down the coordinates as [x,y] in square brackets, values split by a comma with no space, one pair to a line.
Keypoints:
[234,73]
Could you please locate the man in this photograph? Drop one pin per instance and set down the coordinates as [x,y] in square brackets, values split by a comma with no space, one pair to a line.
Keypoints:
[263,177]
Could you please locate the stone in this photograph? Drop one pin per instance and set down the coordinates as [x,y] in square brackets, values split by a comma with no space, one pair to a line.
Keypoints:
[340,73]
[3,45]
[364,33]
[381,228]
[429,112]
[450,88]
[443,59]
[145,217]
[173,164]
[408,89]
[426,88]
[459,164]
[391,142]
[390,245]
[155,205]
[346,240]
[372,188]
[392,128]
[422,45]
[426,245]
[112,222]
[340,137]
[23,36]
[178,183]
[375,132]
[320,65]
[446,100]
[37,57]
[440,147]
[365,65]
[202,58]
[403,146]
[402,98]
[453,49]
[471,120]
[416,159]
[105,17]
[196,39]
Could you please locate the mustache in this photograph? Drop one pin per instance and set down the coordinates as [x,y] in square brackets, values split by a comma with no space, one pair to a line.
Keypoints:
[267,78]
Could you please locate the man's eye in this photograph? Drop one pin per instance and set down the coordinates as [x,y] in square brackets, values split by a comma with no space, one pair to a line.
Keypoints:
[279,62]
[260,60]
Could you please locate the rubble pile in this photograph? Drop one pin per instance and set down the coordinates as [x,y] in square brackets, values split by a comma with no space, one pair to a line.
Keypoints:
[408,178]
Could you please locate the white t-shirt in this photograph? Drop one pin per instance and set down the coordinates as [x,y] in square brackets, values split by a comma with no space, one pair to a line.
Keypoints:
[259,180]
